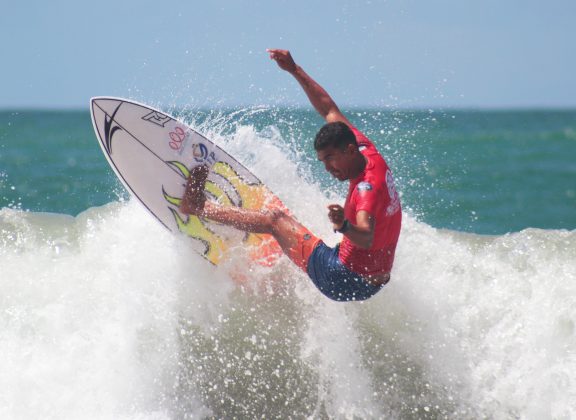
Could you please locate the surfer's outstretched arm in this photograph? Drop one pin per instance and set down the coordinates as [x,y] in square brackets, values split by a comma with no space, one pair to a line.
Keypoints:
[318,97]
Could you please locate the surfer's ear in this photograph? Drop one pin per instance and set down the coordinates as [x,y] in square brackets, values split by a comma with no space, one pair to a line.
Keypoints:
[351,148]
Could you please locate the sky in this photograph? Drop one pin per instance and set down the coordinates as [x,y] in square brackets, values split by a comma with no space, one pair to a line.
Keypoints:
[384,53]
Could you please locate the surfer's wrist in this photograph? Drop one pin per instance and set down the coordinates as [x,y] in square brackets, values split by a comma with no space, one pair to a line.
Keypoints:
[293,71]
[344,228]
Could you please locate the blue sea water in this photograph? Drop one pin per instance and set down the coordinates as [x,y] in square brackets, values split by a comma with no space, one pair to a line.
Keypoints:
[104,314]
[487,172]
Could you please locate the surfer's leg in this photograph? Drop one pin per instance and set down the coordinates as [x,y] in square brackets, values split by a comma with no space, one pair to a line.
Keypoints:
[194,202]
[285,228]
[296,241]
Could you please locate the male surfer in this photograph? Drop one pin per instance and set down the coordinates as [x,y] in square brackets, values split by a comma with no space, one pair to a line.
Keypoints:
[370,220]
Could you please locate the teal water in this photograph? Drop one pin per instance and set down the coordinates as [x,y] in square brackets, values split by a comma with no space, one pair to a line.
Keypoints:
[486,172]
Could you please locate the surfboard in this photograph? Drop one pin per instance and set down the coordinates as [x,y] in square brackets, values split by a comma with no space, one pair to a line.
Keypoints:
[152,154]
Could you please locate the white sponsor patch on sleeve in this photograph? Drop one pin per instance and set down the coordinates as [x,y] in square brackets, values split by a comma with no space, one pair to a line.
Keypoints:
[364,186]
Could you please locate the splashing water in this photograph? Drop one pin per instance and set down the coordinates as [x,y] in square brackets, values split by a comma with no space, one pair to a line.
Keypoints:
[108,315]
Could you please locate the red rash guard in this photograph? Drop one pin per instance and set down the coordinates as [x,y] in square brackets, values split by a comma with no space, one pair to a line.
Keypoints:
[372,191]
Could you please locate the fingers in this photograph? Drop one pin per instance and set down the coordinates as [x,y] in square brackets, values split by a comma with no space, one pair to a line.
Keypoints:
[335,207]
[276,53]
[336,213]
[283,59]
[281,56]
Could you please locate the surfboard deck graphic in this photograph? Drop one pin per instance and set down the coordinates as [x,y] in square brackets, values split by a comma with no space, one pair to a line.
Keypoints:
[152,153]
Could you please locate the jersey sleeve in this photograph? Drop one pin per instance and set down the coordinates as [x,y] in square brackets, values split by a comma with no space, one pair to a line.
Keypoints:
[361,139]
[370,197]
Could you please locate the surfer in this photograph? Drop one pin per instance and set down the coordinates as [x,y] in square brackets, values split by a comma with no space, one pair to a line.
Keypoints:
[359,266]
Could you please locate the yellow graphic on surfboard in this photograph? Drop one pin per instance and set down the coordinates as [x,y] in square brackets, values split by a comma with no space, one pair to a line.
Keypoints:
[263,248]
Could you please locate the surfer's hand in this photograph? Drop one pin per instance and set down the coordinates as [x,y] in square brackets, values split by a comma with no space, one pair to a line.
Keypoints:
[336,216]
[283,59]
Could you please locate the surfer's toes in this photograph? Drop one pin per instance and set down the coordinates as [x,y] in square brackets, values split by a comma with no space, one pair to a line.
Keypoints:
[194,198]
[198,175]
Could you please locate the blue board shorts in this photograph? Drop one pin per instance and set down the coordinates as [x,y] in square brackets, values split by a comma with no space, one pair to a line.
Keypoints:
[334,279]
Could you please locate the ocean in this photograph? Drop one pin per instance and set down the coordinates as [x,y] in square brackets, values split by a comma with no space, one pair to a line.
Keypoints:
[106,315]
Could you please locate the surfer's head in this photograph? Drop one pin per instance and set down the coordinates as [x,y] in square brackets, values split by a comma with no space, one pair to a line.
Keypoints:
[337,149]
[334,134]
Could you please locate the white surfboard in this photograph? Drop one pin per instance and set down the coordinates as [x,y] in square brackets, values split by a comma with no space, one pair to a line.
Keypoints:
[152,153]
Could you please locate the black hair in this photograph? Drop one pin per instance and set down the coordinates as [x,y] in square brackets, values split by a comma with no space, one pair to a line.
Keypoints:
[334,134]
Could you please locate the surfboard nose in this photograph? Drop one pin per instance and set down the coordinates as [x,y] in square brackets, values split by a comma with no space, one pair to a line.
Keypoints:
[105,103]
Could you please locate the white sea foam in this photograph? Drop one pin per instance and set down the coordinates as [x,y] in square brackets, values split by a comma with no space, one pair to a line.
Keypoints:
[107,315]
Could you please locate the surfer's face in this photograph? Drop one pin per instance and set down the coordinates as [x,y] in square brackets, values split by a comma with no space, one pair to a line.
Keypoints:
[336,161]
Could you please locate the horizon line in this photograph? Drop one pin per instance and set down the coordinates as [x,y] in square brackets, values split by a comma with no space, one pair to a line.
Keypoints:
[387,108]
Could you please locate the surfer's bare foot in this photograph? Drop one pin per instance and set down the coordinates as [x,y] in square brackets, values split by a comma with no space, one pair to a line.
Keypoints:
[194,198]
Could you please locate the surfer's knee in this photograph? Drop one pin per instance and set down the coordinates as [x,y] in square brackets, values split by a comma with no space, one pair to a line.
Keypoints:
[278,218]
